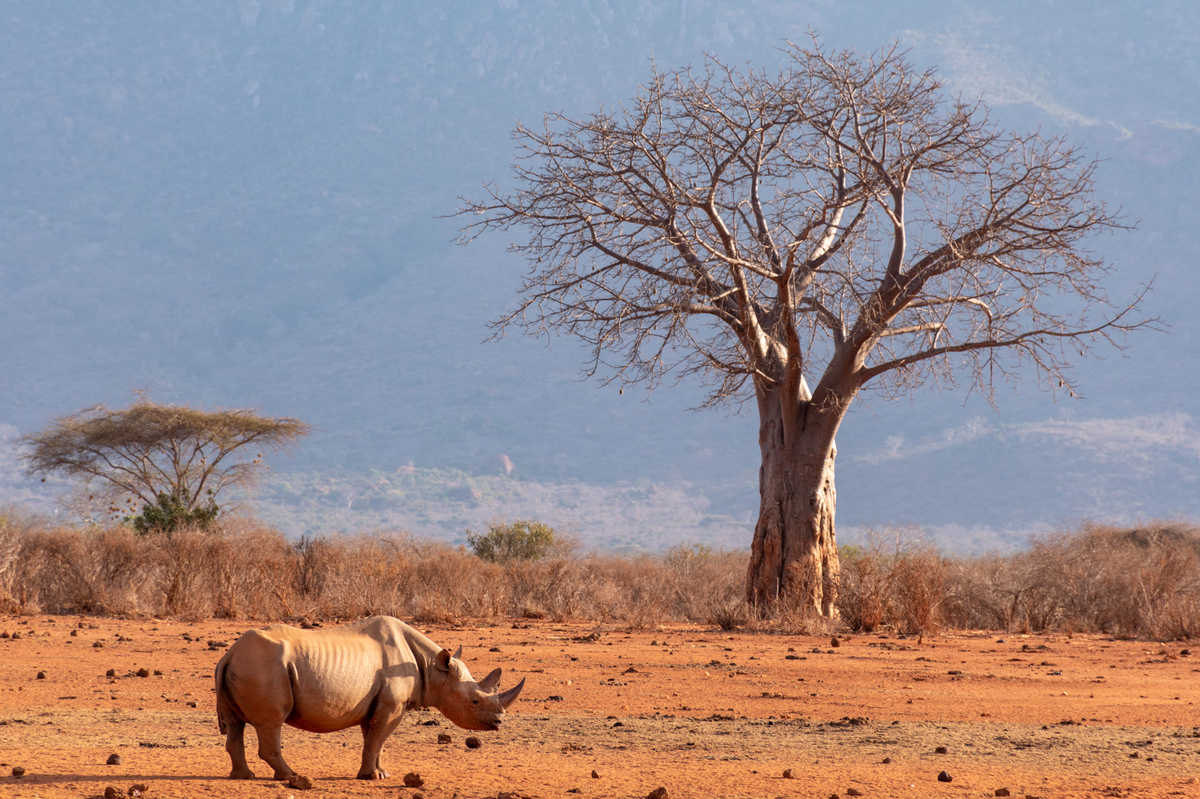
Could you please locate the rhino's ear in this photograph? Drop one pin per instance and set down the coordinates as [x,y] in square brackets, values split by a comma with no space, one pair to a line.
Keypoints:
[458,653]
[491,682]
[443,660]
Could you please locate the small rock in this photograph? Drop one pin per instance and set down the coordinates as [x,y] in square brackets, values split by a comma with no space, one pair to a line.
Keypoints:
[113,793]
[886,760]
[853,792]
[444,738]
[97,644]
[191,704]
[16,635]
[299,782]
[473,742]
[110,673]
[944,777]
[113,760]
[834,641]
[413,780]
[1001,792]
[143,672]
[74,633]
[18,771]
[41,675]
[595,774]
[788,775]
[658,793]
[941,750]
[138,790]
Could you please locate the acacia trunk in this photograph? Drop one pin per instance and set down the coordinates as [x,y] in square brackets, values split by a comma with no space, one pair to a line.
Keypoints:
[793,561]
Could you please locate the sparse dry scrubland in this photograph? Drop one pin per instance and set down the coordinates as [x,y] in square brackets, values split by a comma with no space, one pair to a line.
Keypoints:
[1136,583]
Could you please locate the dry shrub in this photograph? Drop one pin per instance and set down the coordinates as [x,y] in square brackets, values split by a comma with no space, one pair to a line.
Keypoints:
[1142,582]
[903,585]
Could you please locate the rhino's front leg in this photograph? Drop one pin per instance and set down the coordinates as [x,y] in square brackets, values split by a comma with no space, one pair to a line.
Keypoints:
[376,730]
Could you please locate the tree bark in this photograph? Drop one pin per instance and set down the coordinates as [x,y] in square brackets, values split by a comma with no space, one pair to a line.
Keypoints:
[793,560]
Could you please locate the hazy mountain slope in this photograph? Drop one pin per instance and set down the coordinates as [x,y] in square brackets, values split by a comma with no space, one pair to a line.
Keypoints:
[239,204]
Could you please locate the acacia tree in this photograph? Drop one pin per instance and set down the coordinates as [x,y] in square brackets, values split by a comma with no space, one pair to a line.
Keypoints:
[838,224]
[173,459]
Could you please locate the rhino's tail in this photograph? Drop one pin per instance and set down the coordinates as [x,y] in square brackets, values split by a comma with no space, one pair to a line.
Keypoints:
[227,710]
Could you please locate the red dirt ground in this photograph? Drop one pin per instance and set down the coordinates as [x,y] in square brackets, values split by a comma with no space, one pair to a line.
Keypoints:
[700,712]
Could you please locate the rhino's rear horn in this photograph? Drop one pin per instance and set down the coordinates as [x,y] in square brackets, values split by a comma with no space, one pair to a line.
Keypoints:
[458,653]
[490,682]
[510,696]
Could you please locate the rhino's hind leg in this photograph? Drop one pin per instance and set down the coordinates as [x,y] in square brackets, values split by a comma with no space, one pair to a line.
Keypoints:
[270,749]
[235,745]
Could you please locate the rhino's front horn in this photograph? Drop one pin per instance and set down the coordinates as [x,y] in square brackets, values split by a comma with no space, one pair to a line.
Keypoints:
[510,696]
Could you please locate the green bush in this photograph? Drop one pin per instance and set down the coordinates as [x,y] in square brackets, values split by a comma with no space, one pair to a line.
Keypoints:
[169,513]
[521,540]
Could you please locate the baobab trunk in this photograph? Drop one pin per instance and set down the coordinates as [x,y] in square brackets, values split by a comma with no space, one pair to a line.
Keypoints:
[793,561]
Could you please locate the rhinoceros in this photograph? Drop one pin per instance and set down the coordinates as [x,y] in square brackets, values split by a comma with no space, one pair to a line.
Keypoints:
[323,680]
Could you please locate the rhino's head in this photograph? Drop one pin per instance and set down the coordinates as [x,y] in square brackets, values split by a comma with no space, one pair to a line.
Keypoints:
[469,704]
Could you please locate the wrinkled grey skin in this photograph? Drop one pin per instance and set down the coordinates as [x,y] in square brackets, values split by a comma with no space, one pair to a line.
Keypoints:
[367,673]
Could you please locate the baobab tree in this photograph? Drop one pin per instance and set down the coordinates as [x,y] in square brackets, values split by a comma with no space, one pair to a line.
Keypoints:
[802,236]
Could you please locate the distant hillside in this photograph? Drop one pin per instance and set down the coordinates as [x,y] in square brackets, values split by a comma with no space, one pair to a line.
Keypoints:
[242,205]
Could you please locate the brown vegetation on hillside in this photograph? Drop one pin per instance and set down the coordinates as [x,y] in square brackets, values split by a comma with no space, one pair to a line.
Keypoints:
[1142,582]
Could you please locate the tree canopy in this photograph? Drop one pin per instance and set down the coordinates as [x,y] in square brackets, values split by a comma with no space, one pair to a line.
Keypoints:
[164,456]
[843,213]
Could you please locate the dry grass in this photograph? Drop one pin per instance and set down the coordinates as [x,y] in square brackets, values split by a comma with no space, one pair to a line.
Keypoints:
[1142,583]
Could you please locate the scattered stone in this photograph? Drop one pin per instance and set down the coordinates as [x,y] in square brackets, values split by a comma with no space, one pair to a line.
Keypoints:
[444,738]
[554,698]
[886,760]
[788,775]
[16,635]
[595,774]
[1001,792]
[299,782]
[74,633]
[110,673]
[18,771]
[191,704]
[113,793]
[41,675]
[473,742]
[630,670]
[658,793]
[143,672]
[834,641]
[941,750]
[413,780]
[158,673]
[944,777]
[853,792]
[138,789]
[113,760]
[97,644]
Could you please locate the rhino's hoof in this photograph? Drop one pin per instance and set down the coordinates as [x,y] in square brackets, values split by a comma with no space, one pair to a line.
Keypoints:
[241,774]
[373,774]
